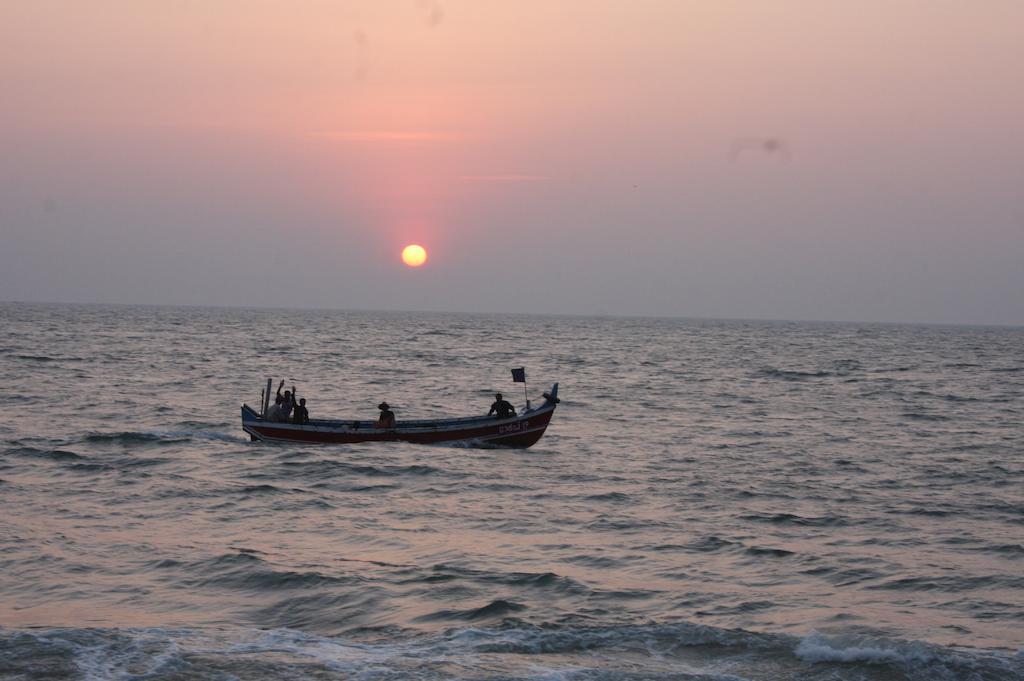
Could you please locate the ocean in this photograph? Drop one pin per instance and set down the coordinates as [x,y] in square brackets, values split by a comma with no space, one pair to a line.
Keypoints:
[714,500]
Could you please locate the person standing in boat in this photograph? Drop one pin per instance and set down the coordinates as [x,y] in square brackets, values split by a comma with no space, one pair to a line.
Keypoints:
[387,417]
[287,401]
[283,405]
[300,416]
[503,408]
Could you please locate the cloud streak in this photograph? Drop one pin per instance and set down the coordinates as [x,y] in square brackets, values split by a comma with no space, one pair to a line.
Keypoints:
[387,136]
[507,177]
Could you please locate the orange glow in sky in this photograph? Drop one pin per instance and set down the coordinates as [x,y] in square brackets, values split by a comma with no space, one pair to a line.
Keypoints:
[710,158]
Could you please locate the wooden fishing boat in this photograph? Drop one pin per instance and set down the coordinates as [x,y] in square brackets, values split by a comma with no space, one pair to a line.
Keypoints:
[521,430]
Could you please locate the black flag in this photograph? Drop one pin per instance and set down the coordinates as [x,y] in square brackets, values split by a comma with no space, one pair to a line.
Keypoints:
[519,375]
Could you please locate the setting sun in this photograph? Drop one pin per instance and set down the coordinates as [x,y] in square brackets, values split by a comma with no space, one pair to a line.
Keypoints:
[414,255]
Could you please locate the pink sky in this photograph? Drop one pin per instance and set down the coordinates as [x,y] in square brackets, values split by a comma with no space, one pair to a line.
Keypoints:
[573,157]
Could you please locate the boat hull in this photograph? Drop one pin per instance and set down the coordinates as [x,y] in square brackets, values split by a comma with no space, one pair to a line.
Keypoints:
[520,431]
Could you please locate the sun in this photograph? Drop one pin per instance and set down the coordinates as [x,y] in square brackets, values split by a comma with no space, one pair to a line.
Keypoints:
[414,255]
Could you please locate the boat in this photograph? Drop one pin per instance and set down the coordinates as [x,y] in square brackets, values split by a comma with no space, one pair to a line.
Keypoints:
[521,430]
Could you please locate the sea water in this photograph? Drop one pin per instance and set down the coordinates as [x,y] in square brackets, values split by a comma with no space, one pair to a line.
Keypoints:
[712,500]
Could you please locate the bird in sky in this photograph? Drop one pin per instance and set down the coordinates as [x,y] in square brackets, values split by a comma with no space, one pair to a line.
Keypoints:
[768,146]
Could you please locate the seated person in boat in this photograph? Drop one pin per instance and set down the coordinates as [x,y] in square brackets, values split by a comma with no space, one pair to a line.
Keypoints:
[387,417]
[300,415]
[502,407]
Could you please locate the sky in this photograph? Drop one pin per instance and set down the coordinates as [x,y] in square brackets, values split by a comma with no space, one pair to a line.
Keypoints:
[782,159]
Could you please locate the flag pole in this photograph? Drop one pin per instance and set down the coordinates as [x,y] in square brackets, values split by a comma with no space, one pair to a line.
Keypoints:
[516,375]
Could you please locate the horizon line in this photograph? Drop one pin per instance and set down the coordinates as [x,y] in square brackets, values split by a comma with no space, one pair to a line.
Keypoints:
[582,315]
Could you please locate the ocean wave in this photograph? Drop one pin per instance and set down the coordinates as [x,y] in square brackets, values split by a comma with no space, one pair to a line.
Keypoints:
[51,454]
[494,610]
[245,570]
[921,416]
[952,584]
[269,579]
[329,468]
[768,552]
[533,580]
[1008,550]
[843,577]
[88,468]
[846,366]
[134,437]
[160,437]
[709,544]
[790,374]
[913,659]
[205,435]
[509,652]
[740,608]
[617,497]
[249,490]
[324,612]
[655,638]
[793,519]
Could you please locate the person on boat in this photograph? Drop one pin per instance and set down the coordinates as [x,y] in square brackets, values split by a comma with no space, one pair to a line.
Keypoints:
[287,402]
[283,405]
[502,407]
[387,417]
[300,415]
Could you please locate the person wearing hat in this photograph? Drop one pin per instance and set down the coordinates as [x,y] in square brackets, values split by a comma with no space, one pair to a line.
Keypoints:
[387,417]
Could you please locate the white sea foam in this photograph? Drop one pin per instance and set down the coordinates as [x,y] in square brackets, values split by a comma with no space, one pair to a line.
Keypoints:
[128,655]
[817,648]
[621,653]
[916,659]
